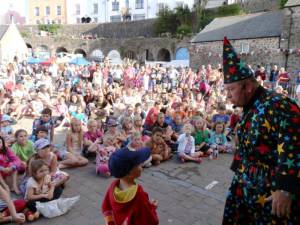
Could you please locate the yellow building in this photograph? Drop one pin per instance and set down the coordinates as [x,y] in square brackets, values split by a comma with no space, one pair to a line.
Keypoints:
[47,11]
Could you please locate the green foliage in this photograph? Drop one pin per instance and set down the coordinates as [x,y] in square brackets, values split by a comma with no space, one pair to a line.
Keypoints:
[51,28]
[24,34]
[177,22]
[282,3]
[206,16]
[184,30]
[166,22]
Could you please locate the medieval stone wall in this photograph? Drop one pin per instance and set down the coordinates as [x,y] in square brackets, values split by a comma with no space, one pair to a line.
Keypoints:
[291,38]
[262,51]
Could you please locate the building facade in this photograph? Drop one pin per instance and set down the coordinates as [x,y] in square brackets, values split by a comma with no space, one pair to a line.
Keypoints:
[82,9]
[47,12]
[13,11]
[101,11]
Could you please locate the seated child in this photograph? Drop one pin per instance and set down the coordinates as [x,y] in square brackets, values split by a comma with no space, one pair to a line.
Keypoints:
[125,201]
[40,188]
[45,120]
[186,146]
[218,141]
[10,167]
[71,155]
[91,137]
[42,147]
[23,147]
[201,136]
[102,155]
[11,209]
[160,151]
[6,129]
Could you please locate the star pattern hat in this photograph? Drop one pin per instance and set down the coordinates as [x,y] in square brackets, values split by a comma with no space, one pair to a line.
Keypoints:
[234,68]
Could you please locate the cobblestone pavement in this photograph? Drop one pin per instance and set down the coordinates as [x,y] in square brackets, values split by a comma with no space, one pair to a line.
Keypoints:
[181,190]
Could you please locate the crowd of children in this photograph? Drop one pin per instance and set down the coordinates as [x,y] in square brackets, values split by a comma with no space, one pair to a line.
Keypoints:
[150,113]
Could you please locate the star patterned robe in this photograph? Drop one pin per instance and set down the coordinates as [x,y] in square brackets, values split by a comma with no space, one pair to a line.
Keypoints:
[267,159]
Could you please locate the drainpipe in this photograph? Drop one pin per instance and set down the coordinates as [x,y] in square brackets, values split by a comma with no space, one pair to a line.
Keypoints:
[289,38]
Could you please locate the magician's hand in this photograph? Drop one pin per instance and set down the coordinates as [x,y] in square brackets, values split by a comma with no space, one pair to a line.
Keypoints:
[281,203]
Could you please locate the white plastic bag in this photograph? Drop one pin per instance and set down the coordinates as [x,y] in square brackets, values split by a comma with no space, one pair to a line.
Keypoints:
[56,207]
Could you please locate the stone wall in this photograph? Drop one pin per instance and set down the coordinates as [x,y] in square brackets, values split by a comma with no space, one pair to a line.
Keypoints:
[291,38]
[252,6]
[264,51]
[131,29]
[66,30]
[138,45]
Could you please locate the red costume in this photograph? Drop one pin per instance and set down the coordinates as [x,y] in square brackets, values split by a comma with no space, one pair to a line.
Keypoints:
[137,211]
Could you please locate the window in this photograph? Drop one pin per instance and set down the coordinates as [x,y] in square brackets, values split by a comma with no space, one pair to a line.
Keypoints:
[127,4]
[59,21]
[38,22]
[139,4]
[245,48]
[47,10]
[95,20]
[95,8]
[179,4]
[78,20]
[58,10]
[115,6]
[37,11]
[77,9]
[115,18]
[161,6]
[139,16]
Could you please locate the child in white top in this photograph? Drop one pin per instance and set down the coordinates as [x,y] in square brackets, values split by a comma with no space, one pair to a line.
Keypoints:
[186,146]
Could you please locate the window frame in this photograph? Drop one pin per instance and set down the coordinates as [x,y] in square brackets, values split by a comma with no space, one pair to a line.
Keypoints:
[139,4]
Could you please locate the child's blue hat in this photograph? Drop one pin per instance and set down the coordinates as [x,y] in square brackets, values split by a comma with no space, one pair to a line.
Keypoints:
[123,160]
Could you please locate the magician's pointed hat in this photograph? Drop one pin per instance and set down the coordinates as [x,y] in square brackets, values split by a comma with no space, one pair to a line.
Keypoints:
[234,68]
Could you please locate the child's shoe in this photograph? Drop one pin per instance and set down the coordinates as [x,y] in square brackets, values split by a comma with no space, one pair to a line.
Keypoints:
[31,216]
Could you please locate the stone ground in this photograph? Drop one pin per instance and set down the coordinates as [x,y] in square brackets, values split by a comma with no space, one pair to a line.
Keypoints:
[181,190]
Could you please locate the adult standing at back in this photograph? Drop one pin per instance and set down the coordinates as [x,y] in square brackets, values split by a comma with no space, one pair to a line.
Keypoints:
[266,185]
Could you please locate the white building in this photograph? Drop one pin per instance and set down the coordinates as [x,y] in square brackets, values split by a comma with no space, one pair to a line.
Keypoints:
[16,9]
[118,10]
[218,3]
[78,9]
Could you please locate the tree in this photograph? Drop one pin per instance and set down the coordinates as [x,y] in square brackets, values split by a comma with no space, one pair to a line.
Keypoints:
[282,3]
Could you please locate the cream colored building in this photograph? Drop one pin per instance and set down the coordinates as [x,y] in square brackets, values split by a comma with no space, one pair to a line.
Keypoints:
[47,11]
[11,44]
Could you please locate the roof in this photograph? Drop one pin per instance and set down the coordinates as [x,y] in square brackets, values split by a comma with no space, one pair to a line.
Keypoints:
[257,25]
[3,29]
[291,3]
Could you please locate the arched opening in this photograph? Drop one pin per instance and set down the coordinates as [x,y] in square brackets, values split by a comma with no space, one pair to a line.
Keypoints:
[61,49]
[130,54]
[42,52]
[97,55]
[149,55]
[29,47]
[80,51]
[164,55]
[114,57]
[182,54]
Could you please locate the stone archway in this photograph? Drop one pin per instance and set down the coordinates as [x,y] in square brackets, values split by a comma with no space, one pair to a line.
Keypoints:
[97,55]
[149,55]
[61,49]
[114,56]
[30,50]
[164,55]
[80,51]
[43,52]
[130,54]
[182,54]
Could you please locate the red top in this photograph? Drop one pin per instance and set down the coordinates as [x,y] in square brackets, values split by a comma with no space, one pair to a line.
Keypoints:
[138,211]
[148,120]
